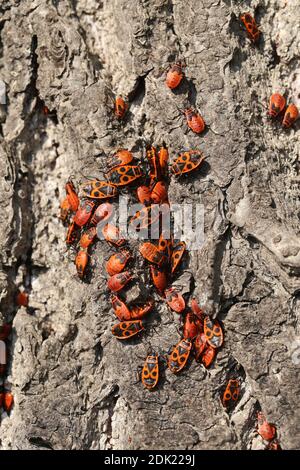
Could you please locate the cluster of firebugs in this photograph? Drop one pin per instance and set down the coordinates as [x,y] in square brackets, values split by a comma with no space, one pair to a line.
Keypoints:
[277,105]
[201,335]
[6,397]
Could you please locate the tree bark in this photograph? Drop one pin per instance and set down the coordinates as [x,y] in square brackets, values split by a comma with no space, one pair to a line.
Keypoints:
[74,384]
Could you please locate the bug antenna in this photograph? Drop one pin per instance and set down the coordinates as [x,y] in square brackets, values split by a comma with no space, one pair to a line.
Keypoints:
[149,348]
[71,177]
[178,331]
[163,358]
[85,176]
[214,132]
[262,105]
[179,109]
[182,61]
[109,89]
[155,330]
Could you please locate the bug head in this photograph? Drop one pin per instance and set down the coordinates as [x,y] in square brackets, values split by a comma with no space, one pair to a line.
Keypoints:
[178,61]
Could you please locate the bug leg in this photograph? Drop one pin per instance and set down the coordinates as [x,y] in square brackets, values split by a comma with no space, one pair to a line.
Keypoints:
[163,359]
[138,375]
[142,358]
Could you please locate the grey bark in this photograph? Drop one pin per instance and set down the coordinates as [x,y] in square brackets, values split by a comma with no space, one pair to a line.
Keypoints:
[74,385]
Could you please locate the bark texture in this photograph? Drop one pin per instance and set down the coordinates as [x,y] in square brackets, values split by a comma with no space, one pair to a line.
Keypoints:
[74,385]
